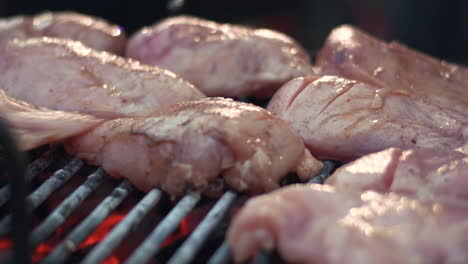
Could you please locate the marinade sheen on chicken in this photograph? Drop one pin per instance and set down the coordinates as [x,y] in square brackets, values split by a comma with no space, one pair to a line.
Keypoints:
[35,126]
[321,224]
[65,75]
[93,32]
[199,145]
[393,206]
[221,59]
[353,54]
[388,96]
[345,119]
[424,173]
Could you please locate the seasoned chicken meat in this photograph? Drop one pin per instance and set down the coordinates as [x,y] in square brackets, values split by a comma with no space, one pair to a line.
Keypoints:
[93,32]
[319,224]
[34,126]
[187,146]
[425,173]
[345,119]
[353,54]
[221,59]
[65,75]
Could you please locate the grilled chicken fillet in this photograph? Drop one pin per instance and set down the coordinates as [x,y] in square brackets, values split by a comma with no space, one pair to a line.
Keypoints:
[221,59]
[35,126]
[321,224]
[345,119]
[93,32]
[425,173]
[65,75]
[199,145]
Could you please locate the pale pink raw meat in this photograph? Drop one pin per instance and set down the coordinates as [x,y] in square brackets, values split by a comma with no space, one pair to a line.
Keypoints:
[34,126]
[353,54]
[94,32]
[423,173]
[320,224]
[345,119]
[221,59]
[199,145]
[66,75]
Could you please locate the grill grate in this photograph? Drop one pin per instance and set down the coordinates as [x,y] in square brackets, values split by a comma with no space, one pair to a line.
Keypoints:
[113,239]
[151,246]
[44,191]
[65,209]
[262,258]
[222,254]
[188,250]
[152,243]
[85,228]
[15,166]
[32,171]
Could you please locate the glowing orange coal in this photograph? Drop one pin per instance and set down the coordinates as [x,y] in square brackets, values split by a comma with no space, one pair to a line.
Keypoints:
[102,230]
[98,235]
[188,224]
[182,231]
[5,243]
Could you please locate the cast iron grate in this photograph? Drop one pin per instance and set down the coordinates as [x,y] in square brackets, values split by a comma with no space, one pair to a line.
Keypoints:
[151,245]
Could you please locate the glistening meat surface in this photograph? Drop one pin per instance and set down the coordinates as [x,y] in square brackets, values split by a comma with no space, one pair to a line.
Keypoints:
[353,54]
[423,173]
[199,145]
[34,126]
[221,59]
[345,119]
[65,75]
[93,32]
[320,224]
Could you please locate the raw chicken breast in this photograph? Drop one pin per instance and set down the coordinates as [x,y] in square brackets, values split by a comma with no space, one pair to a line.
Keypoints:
[353,54]
[318,224]
[425,173]
[187,146]
[34,126]
[397,98]
[94,32]
[221,59]
[345,119]
[65,75]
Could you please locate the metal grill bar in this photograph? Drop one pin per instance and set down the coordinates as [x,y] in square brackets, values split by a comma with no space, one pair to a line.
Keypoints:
[67,207]
[32,171]
[53,183]
[41,163]
[97,216]
[151,245]
[262,258]
[222,255]
[191,246]
[113,239]
[16,173]
[324,173]
[45,190]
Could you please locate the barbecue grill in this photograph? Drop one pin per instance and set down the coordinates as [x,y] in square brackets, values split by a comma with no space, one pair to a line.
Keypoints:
[193,247]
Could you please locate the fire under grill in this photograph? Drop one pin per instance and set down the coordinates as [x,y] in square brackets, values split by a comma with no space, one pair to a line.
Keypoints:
[188,231]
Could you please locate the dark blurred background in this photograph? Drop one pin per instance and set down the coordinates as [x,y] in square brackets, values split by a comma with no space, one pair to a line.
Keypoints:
[437,27]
